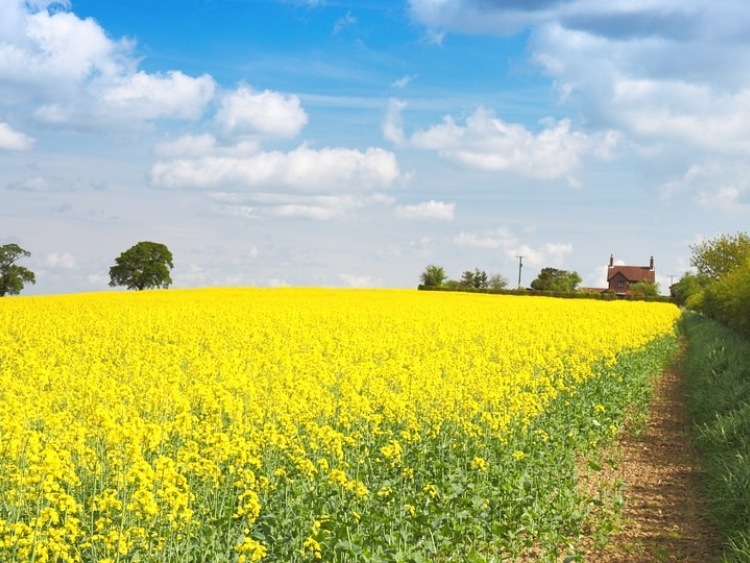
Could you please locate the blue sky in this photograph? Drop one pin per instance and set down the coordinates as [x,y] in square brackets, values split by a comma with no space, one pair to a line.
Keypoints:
[351,144]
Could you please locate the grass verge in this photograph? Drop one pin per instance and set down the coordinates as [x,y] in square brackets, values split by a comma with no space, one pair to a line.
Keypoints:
[717,372]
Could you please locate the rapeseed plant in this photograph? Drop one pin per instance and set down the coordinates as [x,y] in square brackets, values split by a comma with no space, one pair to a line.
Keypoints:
[157,425]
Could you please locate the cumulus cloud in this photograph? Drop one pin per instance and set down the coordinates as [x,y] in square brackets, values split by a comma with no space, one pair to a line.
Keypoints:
[303,168]
[486,142]
[427,211]
[79,76]
[659,70]
[13,140]
[152,96]
[244,111]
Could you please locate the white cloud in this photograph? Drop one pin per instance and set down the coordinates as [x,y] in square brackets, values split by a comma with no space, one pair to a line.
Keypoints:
[669,75]
[76,75]
[301,169]
[488,143]
[245,111]
[13,140]
[393,126]
[427,211]
[152,96]
[494,239]
[545,255]
[60,261]
[720,184]
[315,207]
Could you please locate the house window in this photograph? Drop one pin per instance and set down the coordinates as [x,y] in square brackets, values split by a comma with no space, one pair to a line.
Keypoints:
[620,284]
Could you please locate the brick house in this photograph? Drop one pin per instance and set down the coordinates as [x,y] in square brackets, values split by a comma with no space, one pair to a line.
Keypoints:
[619,278]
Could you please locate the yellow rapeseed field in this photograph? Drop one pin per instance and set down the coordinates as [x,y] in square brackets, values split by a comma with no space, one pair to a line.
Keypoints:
[161,425]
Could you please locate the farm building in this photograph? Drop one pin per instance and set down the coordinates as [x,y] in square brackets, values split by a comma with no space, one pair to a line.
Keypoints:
[619,278]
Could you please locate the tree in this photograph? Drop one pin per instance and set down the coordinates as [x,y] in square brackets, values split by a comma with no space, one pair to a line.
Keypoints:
[645,288]
[688,285]
[476,279]
[143,266]
[13,276]
[719,256]
[497,282]
[433,276]
[552,279]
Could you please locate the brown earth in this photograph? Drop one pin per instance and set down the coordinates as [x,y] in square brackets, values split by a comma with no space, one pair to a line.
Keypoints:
[664,517]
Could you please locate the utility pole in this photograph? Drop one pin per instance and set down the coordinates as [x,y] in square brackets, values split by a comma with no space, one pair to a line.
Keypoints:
[520,267]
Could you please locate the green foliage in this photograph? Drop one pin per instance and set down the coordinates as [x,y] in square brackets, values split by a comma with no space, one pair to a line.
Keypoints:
[143,266]
[718,256]
[477,279]
[646,288]
[722,288]
[497,282]
[552,279]
[727,299]
[523,502]
[717,375]
[433,276]
[688,285]
[13,276]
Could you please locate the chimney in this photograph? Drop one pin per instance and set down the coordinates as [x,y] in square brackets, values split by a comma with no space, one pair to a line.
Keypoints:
[651,263]
[611,261]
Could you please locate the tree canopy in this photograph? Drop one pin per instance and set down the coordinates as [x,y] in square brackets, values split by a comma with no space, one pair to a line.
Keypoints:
[721,288]
[552,279]
[433,276]
[145,265]
[720,255]
[13,276]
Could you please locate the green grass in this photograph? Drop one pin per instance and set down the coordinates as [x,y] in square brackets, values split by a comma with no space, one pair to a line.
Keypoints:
[717,372]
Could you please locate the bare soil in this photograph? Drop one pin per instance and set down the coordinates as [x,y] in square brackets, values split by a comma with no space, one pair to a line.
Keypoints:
[664,518]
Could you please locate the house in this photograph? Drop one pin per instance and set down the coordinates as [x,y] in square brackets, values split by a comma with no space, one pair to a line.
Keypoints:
[619,278]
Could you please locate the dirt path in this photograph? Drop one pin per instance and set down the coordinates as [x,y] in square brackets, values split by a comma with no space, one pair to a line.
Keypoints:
[664,515]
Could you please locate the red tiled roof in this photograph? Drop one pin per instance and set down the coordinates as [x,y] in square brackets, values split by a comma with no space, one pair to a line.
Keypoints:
[632,273]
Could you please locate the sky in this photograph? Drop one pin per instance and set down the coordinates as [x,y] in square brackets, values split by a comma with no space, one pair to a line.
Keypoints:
[352,143]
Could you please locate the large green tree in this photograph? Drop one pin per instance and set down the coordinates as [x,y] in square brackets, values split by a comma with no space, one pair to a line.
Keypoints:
[552,279]
[145,265]
[720,255]
[433,276]
[13,276]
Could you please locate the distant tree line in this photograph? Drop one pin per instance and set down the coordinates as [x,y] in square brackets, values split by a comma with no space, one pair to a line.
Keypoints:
[145,265]
[551,282]
[549,279]
[435,277]
[720,286]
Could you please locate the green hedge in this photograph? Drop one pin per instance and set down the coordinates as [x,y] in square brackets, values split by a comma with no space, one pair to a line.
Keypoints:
[606,296]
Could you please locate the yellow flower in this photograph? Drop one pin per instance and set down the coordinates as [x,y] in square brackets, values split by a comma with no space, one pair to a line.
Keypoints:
[479,464]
